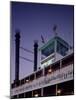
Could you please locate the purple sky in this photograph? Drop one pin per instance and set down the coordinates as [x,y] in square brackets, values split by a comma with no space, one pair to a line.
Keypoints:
[34,20]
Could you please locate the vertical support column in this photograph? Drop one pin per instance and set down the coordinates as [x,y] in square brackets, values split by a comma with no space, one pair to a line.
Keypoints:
[55,48]
[17,45]
[29,79]
[17,96]
[24,95]
[42,92]
[32,93]
[55,33]
[56,89]
[35,75]
[43,71]
[40,59]
[60,64]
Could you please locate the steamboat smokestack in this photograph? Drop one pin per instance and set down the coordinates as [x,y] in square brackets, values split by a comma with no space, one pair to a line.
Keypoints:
[17,45]
[35,54]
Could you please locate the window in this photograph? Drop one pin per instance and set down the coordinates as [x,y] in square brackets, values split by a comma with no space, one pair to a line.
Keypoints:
[56,66]
[37,93]
[32,77]
[12,85]
[22,81]
[68,60]
[15,84]
[26,80]
[21,95]
[61,48]
[39,73]
[48,70]
[47,51]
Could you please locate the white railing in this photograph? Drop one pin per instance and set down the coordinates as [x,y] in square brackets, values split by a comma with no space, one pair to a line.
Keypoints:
[58,76]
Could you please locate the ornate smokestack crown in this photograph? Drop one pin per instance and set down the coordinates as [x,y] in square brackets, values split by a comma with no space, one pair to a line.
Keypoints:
[35,42]
[17,33]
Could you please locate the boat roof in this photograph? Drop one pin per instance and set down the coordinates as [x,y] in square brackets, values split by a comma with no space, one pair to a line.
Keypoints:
[56,38]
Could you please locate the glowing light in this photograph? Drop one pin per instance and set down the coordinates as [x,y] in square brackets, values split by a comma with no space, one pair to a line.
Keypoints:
[59,91]
[27,80]
[36,95]
[50,70]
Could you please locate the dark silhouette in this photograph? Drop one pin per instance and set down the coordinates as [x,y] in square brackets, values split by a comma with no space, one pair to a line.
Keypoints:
[35,54]
[17,45]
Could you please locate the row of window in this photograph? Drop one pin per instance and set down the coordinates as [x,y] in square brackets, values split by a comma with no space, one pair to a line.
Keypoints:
[47,70]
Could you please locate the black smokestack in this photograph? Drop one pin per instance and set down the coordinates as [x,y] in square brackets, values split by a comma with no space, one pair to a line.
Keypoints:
[35,54]
[17,45]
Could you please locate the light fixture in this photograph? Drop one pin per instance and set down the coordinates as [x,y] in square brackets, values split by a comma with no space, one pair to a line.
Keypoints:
[50,70]
[36,95]
[27,80]
[58,91]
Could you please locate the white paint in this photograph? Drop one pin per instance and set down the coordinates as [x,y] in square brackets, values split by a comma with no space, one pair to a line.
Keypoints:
[51,59]
[47,63]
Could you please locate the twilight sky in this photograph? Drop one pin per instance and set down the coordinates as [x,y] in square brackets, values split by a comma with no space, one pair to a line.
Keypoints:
[34,20]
